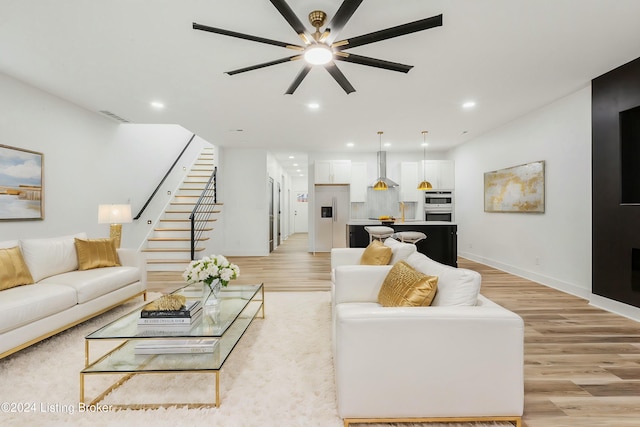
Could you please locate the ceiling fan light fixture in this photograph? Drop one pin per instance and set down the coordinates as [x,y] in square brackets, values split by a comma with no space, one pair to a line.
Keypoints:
[318,54]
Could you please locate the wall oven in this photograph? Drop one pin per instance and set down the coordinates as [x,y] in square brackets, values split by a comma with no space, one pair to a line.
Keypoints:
[438,205]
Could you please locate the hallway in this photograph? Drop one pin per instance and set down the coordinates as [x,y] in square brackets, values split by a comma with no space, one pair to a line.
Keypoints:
[288,268]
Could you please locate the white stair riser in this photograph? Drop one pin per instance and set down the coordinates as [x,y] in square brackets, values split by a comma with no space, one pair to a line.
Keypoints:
[172,234]
[167,267]
[170,215]
[167,255]
[195,192]
[154,244]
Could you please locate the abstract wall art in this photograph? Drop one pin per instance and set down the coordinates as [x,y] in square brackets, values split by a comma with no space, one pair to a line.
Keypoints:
[515,189]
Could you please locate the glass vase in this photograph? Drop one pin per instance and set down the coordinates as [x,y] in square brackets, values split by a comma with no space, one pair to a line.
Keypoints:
[211,293]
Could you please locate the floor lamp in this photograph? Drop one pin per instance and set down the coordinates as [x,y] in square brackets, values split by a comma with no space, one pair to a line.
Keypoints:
[116,215]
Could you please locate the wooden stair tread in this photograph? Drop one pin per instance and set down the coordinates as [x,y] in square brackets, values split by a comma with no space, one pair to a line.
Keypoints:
[193,203]
[171,249]
[174,239]
[180,229]
[187,212]
[188,220]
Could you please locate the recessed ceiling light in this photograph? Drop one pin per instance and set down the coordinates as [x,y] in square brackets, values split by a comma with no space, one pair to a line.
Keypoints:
[298,170]
[295,164]
[387,144]
[313,105]
[158,105]
[424,144]
[291,157]
[350,144]
[468,104]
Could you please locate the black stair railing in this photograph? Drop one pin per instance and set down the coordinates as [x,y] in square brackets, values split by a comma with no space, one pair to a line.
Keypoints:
[202,211]
[164,178]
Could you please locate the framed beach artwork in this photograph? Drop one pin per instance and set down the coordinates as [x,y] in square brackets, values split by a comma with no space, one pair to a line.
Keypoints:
[515,189]
[21,196]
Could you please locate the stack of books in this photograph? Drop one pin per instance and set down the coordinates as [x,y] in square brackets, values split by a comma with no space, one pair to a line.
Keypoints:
[207,345]
[169,320]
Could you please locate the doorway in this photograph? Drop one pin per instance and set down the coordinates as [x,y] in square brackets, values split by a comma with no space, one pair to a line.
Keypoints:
[270,198]
[301,212]
[278,204]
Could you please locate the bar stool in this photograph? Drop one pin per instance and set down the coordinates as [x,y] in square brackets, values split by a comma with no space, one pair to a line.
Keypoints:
[379,232]
[410,236]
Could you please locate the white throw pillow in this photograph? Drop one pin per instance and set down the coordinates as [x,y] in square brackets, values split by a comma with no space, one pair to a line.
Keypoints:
[400,251]
[48,257]
[456,286]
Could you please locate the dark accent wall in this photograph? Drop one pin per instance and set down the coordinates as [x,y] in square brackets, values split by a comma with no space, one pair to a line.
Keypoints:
[616,219]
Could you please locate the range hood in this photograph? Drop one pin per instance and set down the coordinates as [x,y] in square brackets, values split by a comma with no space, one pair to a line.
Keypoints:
[382,167]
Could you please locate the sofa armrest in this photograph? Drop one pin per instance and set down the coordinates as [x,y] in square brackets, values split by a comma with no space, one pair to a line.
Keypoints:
[359,283]
[132,258]
[429,360]
[345,256]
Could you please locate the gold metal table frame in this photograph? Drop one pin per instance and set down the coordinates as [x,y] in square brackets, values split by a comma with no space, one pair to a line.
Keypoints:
[239,306]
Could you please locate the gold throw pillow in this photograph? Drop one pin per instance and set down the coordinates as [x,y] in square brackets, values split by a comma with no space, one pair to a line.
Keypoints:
[404,286]
[96,253]
[376,254]
[13,270]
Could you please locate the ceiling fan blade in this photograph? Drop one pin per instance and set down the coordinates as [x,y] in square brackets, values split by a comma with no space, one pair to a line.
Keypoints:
[400,30]
[264,64]
[292,19]
[342,16]
[299,78]
[201,27]
[373,62]
[339,77]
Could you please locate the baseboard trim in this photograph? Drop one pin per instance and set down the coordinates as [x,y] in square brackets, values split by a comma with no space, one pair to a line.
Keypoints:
[615,307]
[566,287]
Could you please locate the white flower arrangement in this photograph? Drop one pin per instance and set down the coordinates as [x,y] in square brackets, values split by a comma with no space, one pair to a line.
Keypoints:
[208,269]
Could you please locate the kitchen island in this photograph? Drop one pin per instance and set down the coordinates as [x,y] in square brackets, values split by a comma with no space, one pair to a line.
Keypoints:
[440,245]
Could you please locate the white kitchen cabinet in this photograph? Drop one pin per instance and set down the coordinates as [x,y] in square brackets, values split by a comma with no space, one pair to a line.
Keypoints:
[333,171]
[358,182]
[440,173]
[410,177]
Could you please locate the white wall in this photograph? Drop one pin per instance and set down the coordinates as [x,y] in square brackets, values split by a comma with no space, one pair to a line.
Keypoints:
[553,248]
[88,160]
[242,187]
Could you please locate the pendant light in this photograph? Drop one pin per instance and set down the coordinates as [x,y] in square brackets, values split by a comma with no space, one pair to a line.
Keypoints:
[424,185]
[380,184]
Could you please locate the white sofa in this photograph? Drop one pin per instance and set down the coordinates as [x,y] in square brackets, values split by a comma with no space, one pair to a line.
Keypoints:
[459,359]
[62,296]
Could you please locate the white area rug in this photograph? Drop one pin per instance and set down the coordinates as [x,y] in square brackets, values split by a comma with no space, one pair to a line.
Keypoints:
[280,374]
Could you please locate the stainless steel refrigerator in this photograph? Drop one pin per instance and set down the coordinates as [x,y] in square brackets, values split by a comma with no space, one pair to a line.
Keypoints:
[331,205]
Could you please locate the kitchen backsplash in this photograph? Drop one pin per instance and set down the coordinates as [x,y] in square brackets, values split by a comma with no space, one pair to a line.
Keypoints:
[380,203]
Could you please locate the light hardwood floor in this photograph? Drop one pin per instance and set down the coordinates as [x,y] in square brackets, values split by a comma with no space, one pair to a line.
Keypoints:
[582,364]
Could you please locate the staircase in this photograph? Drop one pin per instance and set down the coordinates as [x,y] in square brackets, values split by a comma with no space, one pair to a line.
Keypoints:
[168,250]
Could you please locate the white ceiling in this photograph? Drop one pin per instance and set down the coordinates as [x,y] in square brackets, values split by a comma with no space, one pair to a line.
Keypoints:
[510,56]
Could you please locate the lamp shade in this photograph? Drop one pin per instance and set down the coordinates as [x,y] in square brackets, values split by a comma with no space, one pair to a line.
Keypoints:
[114,214]
[380,185]
[425,185]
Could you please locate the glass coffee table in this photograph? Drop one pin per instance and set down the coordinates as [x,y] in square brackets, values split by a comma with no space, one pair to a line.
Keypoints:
[239,305]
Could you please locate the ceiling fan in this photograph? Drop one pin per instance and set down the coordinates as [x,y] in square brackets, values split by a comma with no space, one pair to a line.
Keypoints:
[320,48]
